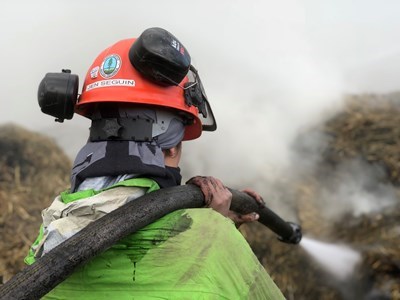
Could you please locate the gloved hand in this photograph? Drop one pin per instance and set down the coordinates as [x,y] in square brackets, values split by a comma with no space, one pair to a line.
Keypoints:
[219,198]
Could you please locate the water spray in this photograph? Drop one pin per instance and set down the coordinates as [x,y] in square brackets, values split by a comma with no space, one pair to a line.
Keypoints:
[337,259]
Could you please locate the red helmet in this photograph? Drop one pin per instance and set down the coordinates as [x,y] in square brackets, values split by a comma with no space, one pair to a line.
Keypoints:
[112,78]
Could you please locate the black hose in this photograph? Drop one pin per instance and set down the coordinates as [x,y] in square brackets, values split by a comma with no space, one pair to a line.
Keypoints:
[47,272]
[287,232]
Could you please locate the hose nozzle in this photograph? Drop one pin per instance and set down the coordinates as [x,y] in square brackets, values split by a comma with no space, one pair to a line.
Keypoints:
[287,232]
[296,236]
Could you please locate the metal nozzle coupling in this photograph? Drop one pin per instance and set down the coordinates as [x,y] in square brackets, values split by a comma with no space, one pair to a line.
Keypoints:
[296,236]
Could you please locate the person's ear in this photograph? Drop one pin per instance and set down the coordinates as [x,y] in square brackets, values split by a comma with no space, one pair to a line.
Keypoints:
[172,152]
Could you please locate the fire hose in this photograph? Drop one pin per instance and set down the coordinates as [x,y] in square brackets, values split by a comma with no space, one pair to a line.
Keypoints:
[47,272]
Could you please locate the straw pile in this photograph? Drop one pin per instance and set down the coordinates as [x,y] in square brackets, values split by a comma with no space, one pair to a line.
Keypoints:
[370,129]
[367,130]
[32,171]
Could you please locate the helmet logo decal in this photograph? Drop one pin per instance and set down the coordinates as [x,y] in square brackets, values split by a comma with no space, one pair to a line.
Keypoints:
[178,46]
[110,66]
[94,72]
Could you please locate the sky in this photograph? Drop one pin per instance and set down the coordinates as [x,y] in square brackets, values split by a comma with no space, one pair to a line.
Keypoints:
[270,68]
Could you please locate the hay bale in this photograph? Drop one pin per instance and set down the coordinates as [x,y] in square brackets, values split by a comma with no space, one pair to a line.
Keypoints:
[33,170]
[368,128]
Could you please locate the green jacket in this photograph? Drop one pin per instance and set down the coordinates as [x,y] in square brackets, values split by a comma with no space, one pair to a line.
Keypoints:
[188,254]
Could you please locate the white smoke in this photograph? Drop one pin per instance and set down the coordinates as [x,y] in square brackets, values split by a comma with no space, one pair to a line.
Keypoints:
[356,187]
[270,69]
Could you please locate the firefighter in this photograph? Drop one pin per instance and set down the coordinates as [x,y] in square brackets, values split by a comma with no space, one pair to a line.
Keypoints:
[144,98]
